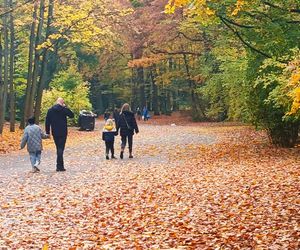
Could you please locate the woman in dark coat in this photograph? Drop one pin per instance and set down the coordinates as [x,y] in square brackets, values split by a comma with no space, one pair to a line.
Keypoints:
[127,125]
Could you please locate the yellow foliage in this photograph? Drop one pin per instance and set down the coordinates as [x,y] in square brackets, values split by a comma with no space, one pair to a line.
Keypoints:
[295,79]
[173,4]
[200,8]
[294,83]
[167,77]
[87,22]
[239,5]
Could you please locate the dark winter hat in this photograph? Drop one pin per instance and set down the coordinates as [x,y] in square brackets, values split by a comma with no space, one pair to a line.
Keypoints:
[31,120]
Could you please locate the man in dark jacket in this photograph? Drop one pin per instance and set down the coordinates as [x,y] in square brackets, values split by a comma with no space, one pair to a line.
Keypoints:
[57,119]
[116,115]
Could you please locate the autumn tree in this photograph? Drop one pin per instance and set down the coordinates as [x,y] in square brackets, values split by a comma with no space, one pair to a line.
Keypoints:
[266,32]
[5,83]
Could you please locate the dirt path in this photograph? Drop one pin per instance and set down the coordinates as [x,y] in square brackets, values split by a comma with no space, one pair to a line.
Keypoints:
[188,187]
[86,150]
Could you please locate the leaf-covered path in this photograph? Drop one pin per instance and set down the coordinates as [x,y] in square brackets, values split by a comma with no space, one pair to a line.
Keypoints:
[188,187]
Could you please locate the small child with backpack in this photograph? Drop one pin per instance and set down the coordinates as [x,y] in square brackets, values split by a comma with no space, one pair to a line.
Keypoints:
[33,136]
[108,135]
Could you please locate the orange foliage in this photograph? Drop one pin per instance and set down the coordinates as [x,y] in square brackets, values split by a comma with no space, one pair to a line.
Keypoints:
[198,186]
[10,141]
[146,61]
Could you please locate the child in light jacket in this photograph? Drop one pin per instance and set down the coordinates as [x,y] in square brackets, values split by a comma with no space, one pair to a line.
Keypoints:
[108,135]
[33,136]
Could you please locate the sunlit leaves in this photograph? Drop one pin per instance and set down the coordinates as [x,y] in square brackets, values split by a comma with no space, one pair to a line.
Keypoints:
[70,86]
[205,9]
[286,78]
[85,22]
[239,5]
[294,83]
[146,61]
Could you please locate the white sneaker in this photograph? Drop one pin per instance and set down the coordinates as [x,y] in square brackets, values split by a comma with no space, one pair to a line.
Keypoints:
[37,163]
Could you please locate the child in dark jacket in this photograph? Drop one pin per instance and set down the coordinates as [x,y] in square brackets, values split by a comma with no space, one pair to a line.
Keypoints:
[108,135]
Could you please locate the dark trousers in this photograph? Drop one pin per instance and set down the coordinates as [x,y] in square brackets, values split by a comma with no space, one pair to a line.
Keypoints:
[109,146]
[60,142]
[124,139]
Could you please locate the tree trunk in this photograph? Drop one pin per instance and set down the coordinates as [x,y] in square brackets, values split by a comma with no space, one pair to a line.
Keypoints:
[168,102]
[140,77]
[42,80]
[12,115]
[154,91]
[134,100]
[196,110]
[168,91]
[141,83]
[1,78]
[30,66]
[36,64]
[175,106]
[6,65]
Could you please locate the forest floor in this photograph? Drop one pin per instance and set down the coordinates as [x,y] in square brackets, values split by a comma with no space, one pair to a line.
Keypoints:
[189,186]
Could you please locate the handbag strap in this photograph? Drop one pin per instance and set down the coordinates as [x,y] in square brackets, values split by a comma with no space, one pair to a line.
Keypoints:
[126,121]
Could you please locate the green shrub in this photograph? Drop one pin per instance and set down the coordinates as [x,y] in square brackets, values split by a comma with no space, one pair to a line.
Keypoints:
[70,86]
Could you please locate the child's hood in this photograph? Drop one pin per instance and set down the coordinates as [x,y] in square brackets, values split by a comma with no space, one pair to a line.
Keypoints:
[109,128]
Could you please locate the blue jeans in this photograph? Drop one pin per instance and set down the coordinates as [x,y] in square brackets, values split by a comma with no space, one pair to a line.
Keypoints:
[35,158]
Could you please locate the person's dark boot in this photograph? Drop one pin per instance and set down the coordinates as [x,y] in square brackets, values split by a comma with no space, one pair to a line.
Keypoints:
[121,154]
[60,169]
[130,156]
[107,158]
[113,157]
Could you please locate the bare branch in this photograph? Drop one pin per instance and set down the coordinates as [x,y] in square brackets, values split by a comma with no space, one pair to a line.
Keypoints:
[159,51]
[18,6]
[247,44]
[281,8]
[237,24]
[191,38]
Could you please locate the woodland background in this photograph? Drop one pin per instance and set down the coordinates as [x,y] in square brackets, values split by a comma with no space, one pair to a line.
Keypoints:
[235,60]
[205,185]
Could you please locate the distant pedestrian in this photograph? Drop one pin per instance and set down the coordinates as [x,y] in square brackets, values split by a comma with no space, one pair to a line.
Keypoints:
[57,119]
[33,136]
[127,126]
[106,115]
[145,114]
[138,113]
[108,135]
[116,115]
